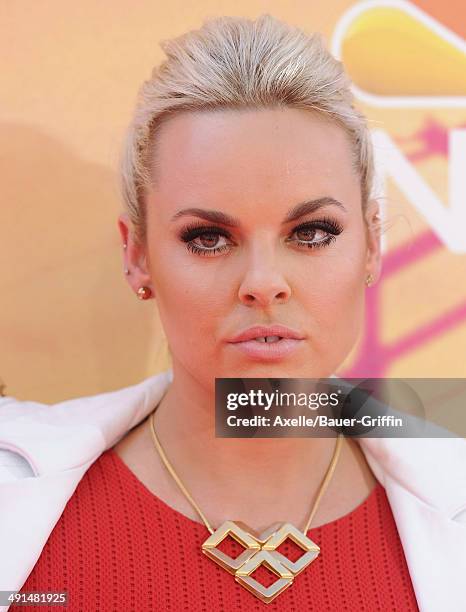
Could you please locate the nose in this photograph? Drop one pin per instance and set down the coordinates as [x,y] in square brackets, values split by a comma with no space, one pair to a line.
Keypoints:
[263,283]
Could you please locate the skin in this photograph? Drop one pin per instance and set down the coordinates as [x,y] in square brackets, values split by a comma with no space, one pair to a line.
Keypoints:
[254,165]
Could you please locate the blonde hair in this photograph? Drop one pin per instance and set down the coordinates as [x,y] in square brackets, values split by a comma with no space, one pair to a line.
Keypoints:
[234,62]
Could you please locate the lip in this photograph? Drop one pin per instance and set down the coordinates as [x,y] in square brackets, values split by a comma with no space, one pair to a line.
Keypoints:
[267,351]
[259,331]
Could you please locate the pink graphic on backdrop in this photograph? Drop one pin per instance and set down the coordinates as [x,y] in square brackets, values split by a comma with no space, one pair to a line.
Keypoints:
[432,139]
[375,357]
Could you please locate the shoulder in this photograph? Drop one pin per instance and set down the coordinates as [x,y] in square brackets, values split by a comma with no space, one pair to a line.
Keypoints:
[37,437]
[432,470]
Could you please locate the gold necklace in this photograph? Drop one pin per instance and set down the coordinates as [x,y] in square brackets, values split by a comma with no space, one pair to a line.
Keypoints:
[259,549]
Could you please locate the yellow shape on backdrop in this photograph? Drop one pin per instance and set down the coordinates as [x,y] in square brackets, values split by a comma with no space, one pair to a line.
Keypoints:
[390,52]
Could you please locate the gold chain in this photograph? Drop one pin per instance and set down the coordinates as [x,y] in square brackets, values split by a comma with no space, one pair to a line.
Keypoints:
[322,488]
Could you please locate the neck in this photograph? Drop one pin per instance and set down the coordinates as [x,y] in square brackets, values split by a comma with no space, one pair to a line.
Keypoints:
[185,425]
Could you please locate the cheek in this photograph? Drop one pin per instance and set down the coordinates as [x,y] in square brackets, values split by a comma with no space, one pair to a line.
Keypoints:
[189,303]
[332,284]
[337,307]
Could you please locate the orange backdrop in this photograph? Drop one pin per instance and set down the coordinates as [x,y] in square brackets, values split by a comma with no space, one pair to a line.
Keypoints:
[69,324]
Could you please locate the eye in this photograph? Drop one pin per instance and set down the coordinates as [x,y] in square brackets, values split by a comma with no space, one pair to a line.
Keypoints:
[207,239]
[315,234]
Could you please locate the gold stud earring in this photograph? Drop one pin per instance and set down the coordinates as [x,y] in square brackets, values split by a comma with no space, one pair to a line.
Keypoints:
[144,293]
[369,280]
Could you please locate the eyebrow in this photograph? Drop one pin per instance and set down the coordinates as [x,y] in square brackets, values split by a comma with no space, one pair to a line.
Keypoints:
[217,216]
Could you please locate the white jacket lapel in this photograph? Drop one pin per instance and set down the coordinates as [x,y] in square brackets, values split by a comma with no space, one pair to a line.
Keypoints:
[425,482]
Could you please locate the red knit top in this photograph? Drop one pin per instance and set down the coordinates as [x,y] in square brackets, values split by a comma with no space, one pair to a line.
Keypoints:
[119,547]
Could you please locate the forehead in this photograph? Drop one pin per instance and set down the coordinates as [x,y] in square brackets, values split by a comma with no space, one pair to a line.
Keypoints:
[236,158]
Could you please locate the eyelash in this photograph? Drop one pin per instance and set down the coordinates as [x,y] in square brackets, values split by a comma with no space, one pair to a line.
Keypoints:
[191,232]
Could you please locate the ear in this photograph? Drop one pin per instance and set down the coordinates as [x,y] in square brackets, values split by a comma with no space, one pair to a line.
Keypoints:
[373,233]
[134,256]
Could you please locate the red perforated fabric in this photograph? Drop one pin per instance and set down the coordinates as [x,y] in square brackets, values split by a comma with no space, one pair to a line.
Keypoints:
[119,547]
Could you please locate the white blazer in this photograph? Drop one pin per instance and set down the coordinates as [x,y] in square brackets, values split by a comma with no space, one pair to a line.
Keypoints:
[424,478]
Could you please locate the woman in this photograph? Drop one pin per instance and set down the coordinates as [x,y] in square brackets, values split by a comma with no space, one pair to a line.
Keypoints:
[247,181]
